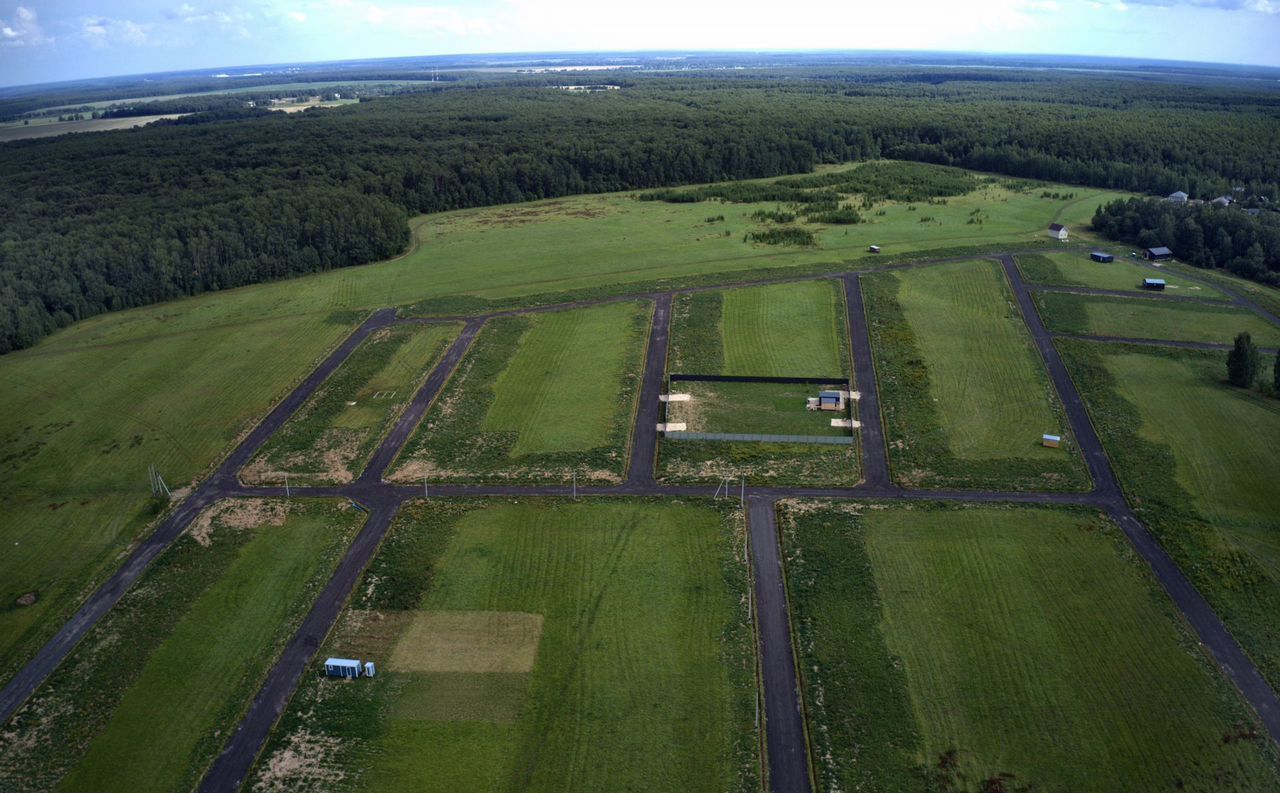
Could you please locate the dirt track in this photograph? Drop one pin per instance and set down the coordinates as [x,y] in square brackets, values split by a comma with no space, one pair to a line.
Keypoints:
[788,757]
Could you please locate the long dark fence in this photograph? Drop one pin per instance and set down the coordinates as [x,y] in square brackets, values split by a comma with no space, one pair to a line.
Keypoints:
[735,378]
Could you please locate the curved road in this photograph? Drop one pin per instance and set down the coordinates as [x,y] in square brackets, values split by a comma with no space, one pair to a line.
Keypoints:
[786,746]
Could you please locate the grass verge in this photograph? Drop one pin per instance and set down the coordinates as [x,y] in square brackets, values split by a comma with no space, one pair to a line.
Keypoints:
[1152,319]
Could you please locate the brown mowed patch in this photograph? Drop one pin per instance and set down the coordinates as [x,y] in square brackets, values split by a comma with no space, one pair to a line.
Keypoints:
[468,641]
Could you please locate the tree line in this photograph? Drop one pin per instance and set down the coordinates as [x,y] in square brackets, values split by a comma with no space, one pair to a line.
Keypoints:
[99,222]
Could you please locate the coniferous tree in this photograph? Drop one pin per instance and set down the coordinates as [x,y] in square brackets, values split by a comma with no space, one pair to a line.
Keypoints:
[1242,361]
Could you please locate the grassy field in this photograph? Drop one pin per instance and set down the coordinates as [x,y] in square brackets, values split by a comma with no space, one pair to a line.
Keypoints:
[330,439]
[965,396]
[1266,296]
[760,408]
[537,646]
[1075,268]
[783,330]
[147,699]
[538,398]
[88,409]
[1152,319]
[19,131]
[1196,459]
[1075,675]
[79,424]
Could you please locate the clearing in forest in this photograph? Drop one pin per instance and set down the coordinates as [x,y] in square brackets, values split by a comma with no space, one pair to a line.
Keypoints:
[538,397]
[964,392]
[540,645]
[1071,644]
[331,437]
[146,701]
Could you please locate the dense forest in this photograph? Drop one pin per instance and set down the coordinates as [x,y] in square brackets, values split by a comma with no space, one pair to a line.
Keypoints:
[1204,235]
[99,222]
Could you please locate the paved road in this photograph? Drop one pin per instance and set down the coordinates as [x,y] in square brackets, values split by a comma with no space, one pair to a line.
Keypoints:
[875,460]
[69,635]
[788,758]
[644,437]
[783,715]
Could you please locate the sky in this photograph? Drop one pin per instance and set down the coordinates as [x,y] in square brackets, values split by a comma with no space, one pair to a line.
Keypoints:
[48,40]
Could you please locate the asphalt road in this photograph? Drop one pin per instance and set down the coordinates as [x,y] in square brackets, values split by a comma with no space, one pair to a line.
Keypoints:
[788,759]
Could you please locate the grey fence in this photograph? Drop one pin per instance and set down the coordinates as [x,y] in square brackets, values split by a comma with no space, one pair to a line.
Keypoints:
[739,378]
[822,440]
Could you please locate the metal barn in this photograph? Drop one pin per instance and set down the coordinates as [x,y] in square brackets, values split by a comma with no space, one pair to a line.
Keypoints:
[1153,283]
[1099,256]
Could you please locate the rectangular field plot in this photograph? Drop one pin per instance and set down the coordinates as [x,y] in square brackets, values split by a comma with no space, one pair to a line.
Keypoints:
[753,408]
[1077,269]
[534,646]
[330,439]
[1198,459]
[964,393]
[1003,648]
[784,330]
[1152,319]
[146,701]
[539,398]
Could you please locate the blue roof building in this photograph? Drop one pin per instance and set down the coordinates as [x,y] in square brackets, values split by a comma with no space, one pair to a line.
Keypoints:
[342,667]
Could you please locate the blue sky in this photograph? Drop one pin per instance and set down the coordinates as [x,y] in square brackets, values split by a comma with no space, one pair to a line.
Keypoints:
[44,40]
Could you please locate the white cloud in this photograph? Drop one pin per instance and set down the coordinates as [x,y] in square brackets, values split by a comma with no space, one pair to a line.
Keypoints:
[23,31]
[106,32]
[442,20]
[297,16]
[1257,6]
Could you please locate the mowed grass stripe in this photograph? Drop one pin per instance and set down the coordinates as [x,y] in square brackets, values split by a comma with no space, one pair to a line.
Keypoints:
[1153,319]
[986,378]
[561,388]
[787,330]
[168,723]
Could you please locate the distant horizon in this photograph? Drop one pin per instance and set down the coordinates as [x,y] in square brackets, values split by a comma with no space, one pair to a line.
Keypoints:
[584,58]
[52,41]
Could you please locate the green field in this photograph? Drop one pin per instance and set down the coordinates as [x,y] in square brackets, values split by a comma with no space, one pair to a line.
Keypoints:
[963,390]
[1073,674]
[79,424]
[1152,319]
[88,409]
[330,439]
[537,646]
[1197,459]
[783,330]
[539,397]
[146,701]
[759,408]
[1125,273]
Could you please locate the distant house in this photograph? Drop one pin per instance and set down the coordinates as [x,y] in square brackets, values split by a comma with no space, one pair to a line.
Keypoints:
[1099,256]
[873,248]
[1058,232]
[1052,441]
[1223,201]
[1177,198]
[1153,283]
[1157,254]
[1255,212]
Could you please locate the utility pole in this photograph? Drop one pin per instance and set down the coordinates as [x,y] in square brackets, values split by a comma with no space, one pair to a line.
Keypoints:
[425,493]
[575,485]
[287,494]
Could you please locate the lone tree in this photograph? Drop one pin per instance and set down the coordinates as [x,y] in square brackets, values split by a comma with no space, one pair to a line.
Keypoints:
[1242,361]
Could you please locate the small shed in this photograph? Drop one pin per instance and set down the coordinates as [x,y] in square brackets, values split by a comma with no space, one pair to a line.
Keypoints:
[1058,232]
[830,400]
[1153,283]
[368,669]
[873,248]
[1052,441]
[1157,254]
[342,667]
[1099,256]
